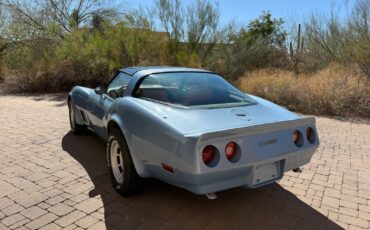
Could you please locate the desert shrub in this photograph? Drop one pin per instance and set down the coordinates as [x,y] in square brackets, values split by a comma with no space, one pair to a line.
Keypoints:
[328,38]
[99,53]
[86,56]
[331,91]
[45,78]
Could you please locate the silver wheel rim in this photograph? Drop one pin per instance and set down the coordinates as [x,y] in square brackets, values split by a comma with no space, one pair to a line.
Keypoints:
[116,161]
[71,116]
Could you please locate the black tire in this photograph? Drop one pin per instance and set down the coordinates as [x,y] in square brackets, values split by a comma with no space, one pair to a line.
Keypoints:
[75,128]
[130,180]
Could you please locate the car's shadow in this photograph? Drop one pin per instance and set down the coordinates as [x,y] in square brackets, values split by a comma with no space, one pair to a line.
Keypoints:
[163,206]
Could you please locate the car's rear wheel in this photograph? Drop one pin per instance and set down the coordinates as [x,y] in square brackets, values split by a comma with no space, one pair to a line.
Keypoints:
[75,128]
[122,170]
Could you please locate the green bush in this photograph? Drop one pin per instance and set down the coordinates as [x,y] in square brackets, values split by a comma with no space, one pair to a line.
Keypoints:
[97,54]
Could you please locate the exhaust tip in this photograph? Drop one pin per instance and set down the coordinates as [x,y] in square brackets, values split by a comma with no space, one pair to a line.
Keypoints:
[297,170]
[211,196]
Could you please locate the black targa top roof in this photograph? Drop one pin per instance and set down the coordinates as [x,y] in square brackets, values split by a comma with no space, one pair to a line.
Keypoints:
[158,69]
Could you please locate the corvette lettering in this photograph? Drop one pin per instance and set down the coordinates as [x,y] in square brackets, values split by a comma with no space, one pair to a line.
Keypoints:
[268,142]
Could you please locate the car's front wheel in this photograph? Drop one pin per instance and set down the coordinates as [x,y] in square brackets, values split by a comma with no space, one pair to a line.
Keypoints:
[122,170]
[75,128]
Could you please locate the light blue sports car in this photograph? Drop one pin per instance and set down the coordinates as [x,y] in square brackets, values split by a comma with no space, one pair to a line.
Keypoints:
[192,129]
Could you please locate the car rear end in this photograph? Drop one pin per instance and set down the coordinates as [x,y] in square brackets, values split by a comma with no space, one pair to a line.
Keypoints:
[250,156]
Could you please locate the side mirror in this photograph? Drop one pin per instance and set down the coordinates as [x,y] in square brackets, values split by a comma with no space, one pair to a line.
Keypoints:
[99,90]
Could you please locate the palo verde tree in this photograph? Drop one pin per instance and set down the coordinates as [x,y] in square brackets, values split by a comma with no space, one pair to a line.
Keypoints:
[202,26]
[192,29]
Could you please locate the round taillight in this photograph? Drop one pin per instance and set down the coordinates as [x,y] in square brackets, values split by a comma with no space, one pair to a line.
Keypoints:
[310,135]
[230,150]
[208,154]
[297,138]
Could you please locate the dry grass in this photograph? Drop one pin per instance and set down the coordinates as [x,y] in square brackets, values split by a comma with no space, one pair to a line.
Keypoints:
[331,91]
[58,77]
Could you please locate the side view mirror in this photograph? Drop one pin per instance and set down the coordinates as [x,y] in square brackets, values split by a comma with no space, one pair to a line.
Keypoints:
[99,90]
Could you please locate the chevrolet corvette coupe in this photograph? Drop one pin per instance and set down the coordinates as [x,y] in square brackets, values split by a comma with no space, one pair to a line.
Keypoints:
[190,128]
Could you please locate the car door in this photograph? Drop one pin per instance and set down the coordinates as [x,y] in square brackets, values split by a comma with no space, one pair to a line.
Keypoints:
[115,89]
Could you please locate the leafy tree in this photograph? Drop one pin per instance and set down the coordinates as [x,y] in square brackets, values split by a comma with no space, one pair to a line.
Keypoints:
[265,27]
[259,44]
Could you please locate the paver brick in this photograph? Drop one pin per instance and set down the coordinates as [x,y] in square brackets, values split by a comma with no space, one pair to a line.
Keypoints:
[60,209]
[51,226]
[332,193]
[70,218]
[19,224]
[364,194]
[12,219]
[15,208]
[70,227]
[89,205]
[348,211]
[364,215]
[353,199]
[3,227]
[352,227]
[69,202]
[354,221]
[364,208]
[86,221]
[43,205]
[349,192]
[33,212]
[55,200]
[98,226]
[41,221]
[333,215]
[6,189]
[28,200]
[348,204]
[5,202]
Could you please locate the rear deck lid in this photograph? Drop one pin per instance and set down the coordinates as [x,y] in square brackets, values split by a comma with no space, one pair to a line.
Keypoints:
[192,121]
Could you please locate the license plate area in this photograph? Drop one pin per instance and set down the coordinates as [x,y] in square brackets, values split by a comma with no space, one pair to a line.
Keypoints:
[264,173]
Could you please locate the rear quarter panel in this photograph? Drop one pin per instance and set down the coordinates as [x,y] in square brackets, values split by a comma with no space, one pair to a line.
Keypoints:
[150,139]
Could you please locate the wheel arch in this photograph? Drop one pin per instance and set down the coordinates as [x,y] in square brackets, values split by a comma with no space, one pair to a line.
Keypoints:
[116,122]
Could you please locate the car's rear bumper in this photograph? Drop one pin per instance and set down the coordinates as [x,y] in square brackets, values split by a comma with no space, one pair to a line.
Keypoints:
[245,175]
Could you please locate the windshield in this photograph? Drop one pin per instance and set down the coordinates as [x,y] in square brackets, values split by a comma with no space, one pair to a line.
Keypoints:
[191,89]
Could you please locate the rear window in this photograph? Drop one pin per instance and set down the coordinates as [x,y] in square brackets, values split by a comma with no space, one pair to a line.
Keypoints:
[191,89]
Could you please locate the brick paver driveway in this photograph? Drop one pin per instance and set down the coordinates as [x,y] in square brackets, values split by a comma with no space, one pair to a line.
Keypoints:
[51,179]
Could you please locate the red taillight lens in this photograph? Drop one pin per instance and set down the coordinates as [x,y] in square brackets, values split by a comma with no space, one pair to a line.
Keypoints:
[230,150]
[296,137]
[208,154]
[310,135]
